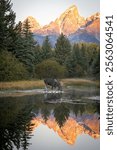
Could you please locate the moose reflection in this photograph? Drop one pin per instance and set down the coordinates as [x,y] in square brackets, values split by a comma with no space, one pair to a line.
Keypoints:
[52,97]
[17,115]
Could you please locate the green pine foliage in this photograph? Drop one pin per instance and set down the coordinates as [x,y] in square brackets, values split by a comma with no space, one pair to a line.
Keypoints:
[46,49]
[38,54]
[7,23]
[82,59]
[62,49]
[24,47]
[96,67]
[22,58]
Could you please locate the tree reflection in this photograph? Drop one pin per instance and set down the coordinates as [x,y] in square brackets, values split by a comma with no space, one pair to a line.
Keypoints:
[45,112]
[17,131]
[16,115]
[61,114]
[60,110]
[78,109]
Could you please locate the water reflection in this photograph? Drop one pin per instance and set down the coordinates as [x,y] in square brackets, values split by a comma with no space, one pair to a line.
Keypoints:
[65,114]
[15,125]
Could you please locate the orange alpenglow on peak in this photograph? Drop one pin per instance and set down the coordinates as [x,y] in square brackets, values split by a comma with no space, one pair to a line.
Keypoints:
[74,9]
[70,21]
[34,25]
[71,24]
[67,23]
[71,129]
[94,27]
[93,17]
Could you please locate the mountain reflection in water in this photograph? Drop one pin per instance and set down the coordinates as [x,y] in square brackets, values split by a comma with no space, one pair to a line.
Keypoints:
[67,115]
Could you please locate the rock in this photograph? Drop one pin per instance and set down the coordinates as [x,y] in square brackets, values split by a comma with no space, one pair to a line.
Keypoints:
[71,24]
[34,25]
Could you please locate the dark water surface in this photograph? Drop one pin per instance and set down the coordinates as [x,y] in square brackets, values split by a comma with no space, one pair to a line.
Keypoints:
[53,121]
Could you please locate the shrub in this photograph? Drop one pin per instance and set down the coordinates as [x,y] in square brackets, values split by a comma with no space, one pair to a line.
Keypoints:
[11,68]
[50,69]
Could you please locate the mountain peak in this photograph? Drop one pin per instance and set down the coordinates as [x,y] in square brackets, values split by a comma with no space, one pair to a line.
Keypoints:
[70,20]
[34,25]
[71,24]
[73,7]
[68,23]
[30,17]
[93,17]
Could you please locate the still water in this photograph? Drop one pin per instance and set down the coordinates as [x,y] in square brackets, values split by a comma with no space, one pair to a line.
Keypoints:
[53,121]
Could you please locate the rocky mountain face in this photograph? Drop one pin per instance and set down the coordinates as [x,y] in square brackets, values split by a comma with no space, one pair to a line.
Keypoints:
[72,127]
[70,21]
[67,23]
[71,24]
[90,32]
[93,26]
[34,25]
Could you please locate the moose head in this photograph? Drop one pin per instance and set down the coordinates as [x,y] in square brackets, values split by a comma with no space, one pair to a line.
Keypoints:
[53,83]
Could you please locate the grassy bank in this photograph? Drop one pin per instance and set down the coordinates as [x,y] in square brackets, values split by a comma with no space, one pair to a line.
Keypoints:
[22,85]
[81,82]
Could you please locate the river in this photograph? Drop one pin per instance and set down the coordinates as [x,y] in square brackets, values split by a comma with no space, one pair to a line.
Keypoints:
[33,120]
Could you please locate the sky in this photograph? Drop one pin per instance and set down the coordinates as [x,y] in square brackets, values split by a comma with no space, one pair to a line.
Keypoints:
[45,138]
[46,11]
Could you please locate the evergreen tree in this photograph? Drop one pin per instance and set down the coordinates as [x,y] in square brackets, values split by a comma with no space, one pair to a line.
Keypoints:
[38,54]
[96,67]
[82,59]
[24,47]
[74,62]
[18,42]
[93,51]
[26,29]
[84,56]
[46,49]
[71,63]
[62,49]
[7,23]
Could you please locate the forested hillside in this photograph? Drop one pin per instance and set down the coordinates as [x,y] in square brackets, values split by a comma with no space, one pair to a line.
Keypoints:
[22,58]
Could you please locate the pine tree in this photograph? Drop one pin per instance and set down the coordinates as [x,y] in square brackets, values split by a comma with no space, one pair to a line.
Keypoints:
[96,67]
[92,52]
[83,56]
[46,49]
[38,54]
[26,29]
[24,46]
[7,23]
[18,38]
[74,62]
[62,49]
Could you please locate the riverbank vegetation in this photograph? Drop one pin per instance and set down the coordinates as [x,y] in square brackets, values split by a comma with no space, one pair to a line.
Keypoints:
[37,84]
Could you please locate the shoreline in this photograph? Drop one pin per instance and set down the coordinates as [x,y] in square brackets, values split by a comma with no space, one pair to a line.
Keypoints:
[39,84]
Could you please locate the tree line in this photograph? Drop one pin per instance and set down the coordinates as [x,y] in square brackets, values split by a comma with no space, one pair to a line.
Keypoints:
[22,58]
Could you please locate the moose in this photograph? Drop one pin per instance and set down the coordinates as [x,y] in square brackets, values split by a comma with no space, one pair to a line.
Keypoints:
[53,83]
